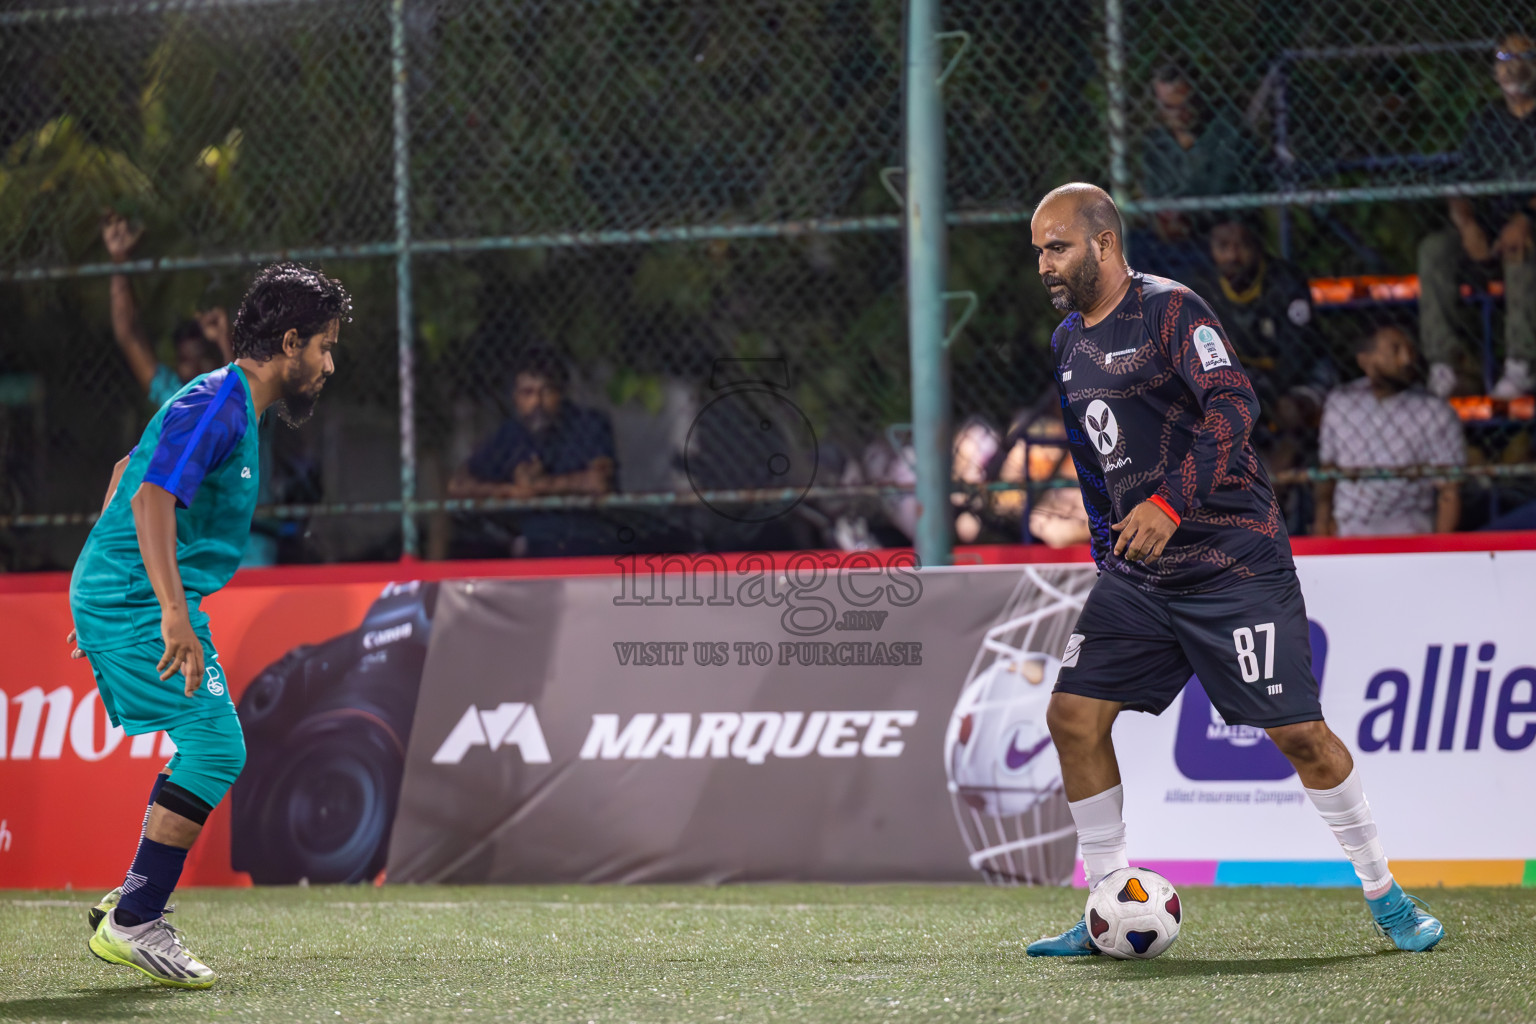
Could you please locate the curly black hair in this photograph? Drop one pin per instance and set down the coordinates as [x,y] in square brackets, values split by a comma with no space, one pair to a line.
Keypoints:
[286,297]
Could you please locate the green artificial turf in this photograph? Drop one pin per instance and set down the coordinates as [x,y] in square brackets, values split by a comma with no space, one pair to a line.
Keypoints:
[759,953]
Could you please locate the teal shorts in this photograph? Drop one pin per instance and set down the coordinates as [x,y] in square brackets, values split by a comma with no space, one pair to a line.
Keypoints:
[209,755]
[137,699]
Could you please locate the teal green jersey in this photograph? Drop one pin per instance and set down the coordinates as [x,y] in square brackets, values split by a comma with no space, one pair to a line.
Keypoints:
[202,447]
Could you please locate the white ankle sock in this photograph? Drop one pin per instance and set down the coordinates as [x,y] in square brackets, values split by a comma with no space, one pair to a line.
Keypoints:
[1101,832]
[1344,809]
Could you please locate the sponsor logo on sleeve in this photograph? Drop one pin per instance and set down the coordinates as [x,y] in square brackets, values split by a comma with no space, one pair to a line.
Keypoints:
[1208,345]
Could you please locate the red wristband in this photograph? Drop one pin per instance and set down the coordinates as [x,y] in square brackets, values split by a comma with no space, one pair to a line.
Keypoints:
[1157,499]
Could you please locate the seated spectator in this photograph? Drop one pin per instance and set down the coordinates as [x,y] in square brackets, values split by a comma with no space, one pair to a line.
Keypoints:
[895,524]
[974,450]
[1500,144]
[1039,455]
[202,345]
[1265,304]
[975,445]
[1383,420]
[1192,151]
[548,446]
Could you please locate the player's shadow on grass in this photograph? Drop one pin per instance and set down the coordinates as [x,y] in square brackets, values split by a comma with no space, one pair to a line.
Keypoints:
[1140,970]
[90,1004]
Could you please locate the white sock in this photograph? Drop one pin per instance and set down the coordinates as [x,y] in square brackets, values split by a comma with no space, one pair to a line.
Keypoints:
[1344,809]
[1101,832]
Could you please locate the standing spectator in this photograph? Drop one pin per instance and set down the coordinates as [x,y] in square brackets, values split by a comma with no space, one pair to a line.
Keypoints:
[1192,151]
[202,345]
[548,446]
[1265,304]
[1382,420]
[1500,144]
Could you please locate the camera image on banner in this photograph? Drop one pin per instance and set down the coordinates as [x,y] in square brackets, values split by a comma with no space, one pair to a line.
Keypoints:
[326,730]
[1207,749]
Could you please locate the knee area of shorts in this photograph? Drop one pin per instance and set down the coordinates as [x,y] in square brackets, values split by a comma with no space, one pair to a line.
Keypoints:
[210,754]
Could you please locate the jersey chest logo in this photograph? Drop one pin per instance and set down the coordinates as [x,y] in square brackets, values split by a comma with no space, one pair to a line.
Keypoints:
[245,472]
[1103,431]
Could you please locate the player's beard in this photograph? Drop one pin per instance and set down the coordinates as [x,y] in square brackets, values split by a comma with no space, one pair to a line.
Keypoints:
[1080,286]
[298,402]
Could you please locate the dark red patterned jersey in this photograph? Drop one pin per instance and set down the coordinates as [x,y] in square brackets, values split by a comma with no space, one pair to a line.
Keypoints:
[1158,407]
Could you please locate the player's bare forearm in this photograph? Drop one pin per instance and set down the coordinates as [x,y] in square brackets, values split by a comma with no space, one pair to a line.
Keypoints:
[117,477]
[1447,508]
[154,522]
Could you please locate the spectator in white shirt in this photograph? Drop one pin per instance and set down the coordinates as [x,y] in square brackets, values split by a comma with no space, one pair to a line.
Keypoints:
[1384,420]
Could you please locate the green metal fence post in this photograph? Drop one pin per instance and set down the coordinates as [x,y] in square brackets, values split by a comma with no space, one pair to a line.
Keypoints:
[399,70]
[1114,50]
[926,271]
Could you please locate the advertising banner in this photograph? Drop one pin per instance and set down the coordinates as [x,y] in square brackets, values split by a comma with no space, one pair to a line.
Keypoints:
[634,732]
[707,719]
[1428,671]
[713,725]
[72,787]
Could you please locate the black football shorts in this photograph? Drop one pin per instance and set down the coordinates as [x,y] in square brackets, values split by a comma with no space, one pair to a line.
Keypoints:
[1248,642]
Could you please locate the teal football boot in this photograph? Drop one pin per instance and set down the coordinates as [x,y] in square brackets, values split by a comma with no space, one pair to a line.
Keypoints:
[1405,920]
[1072,942]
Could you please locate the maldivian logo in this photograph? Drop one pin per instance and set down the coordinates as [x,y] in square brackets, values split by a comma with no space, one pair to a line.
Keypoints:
[1103,431]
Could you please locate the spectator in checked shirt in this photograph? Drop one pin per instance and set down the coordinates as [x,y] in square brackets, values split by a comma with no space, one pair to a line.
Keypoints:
[1383,420]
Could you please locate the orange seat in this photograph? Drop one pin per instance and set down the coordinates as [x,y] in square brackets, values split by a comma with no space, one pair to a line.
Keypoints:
[1336,291]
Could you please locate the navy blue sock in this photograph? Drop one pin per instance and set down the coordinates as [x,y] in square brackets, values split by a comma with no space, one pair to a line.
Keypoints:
[150,882]
[154,791]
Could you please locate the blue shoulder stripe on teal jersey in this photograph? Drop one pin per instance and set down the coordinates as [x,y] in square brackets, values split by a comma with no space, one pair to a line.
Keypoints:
[230,379]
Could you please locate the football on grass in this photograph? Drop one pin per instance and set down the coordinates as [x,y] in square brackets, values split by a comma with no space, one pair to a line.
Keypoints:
[1133,914]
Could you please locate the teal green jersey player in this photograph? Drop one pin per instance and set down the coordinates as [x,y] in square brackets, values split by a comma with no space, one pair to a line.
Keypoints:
[172,531]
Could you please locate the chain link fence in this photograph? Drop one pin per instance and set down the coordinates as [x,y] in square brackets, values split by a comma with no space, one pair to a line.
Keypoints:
[691,205]
[1299,166]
